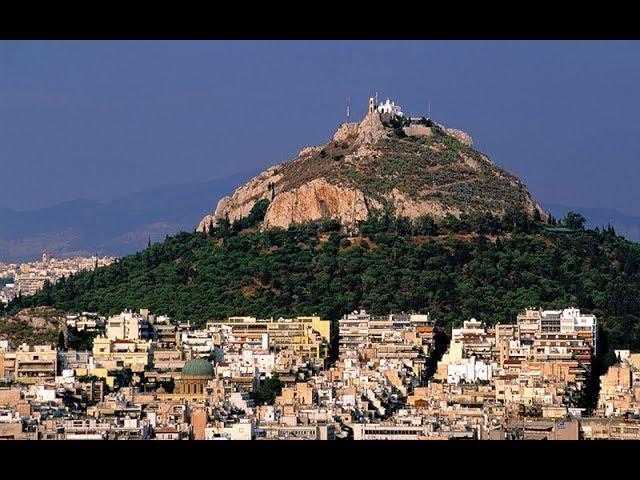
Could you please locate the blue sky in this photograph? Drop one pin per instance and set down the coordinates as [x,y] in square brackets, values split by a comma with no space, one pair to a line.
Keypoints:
[101,119]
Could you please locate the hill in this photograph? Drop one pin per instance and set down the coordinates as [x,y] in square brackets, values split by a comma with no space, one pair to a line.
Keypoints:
[409,168]
[478,266]
[390,215]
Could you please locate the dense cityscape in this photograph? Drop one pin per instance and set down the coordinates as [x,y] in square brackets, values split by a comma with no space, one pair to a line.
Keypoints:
[348,243]
[376,377]
[28,277]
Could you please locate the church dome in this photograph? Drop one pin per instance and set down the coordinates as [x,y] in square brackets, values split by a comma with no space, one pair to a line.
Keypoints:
[198,367]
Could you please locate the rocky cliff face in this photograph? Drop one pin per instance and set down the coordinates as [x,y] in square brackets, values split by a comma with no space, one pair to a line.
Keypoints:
[317,200]
[368,167]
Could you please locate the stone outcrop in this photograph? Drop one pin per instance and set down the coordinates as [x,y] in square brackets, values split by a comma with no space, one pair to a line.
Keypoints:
[206,223]
[345,131]
[461,136]
[370,130]
[318,200]
[417,131]
[243,199]
[355,175]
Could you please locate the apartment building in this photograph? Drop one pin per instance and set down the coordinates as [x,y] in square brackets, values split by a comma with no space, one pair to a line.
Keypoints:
[128,325]
[278,431]
[73,359]
[354,330]
[117,354]
[168,360]
[197,343]
[569,321]
[609,429]
[620,387]
[166,334]
[307,337]
[7,365]
[244,429]
[470,356]
[359,330]
[35,364]
[564,429]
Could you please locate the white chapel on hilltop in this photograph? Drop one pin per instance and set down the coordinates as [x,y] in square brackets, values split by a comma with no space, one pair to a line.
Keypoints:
[388,107]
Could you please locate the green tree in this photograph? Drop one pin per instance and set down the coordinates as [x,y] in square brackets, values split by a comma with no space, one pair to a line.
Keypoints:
[425,225]
[267,392]
[574,221]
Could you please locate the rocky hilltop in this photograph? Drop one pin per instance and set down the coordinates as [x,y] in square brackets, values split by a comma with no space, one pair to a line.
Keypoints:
[410,168]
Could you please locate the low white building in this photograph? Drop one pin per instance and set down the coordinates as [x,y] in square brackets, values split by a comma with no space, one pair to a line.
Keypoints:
[468,370]
[242,430]
[390,108]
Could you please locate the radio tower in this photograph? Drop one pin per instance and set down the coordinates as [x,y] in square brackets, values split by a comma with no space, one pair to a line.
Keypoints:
[348,108]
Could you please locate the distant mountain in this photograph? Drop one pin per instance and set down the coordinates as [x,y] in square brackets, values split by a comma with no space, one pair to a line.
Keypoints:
[626,225]
[117,227]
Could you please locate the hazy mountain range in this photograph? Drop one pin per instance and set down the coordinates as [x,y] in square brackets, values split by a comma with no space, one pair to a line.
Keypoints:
[124,225]
[117,227]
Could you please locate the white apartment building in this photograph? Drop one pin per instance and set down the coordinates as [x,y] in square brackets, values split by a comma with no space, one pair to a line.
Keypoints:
[468,370]
[566,321]
[464,359]
[354,330]
[127,326]
[198,342]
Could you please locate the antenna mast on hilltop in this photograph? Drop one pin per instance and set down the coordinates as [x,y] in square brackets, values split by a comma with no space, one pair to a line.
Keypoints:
[429,109]
[348,108]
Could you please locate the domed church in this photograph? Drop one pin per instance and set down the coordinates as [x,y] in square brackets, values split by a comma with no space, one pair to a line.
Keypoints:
[195,375]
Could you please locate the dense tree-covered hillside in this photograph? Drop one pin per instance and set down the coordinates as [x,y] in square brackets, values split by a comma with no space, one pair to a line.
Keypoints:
[478,266]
